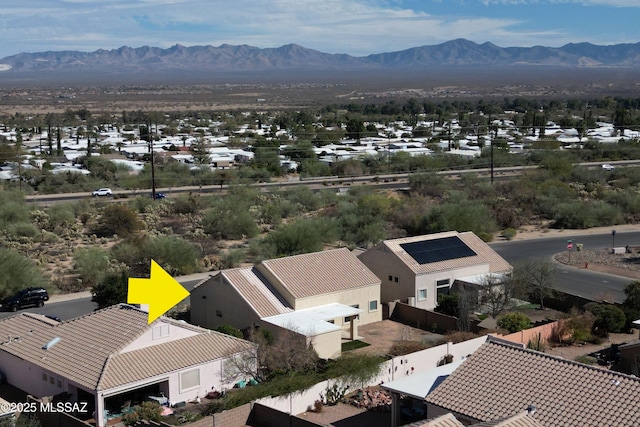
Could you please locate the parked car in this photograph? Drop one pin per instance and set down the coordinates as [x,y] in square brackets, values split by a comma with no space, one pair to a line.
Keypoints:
[102,192]
[24,298]
[159,196]
[608,167]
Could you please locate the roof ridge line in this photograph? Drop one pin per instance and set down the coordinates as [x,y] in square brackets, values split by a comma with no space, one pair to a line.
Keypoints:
[520,346]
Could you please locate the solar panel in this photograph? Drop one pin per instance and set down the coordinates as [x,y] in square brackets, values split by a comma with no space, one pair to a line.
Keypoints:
[446,248]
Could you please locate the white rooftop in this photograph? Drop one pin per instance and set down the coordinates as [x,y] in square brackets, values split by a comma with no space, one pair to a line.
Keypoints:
[420,384]
[313,321]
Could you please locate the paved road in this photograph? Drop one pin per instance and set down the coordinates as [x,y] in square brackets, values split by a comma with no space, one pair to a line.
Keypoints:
[585,283]
[74,305]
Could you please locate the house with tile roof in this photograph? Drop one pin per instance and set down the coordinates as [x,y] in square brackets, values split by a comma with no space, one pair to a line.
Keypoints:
[322,295]
[114,357]
[418,269]
[502,379]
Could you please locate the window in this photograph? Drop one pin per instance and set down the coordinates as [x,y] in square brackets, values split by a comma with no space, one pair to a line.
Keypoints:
[373,305]
[44,377]
[422,294]
[60,383]
[189,379]
[443,287]
[218,313]
[395,279]
[52,380]
[391,278]
[160,331]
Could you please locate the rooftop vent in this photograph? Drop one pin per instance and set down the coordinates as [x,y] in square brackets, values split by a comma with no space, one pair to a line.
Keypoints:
[531,409]
[51,343]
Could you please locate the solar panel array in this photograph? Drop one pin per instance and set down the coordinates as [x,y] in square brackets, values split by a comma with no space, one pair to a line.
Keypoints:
[446,248]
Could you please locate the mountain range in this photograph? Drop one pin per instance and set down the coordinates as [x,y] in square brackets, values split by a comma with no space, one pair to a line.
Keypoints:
[243,58]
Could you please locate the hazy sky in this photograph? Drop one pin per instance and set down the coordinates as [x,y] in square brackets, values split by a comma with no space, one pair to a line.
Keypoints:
[356,27]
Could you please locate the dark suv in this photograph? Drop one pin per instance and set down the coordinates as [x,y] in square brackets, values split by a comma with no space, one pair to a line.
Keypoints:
[26,297]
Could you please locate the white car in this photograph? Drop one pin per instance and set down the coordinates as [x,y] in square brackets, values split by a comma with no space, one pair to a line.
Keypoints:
[102,192]
[608,167]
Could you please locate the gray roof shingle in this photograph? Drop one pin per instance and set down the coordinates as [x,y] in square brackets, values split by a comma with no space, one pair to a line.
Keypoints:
[501,380]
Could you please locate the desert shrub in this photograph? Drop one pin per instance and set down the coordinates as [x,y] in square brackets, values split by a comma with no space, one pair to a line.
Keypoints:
[304,235]
[229,330]
[22,229]
[186,204]
[146,411]
[514,321]
[61,216]
[407,347]
[232,258]
[586,359]
[581,215]
[18,272]
[117,219]
[303,198]
[112,290]
[608,318]
[92,263]
[174,254]
[227,222]
[509,233]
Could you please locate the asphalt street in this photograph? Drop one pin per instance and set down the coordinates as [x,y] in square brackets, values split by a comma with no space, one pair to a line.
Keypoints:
[581,282]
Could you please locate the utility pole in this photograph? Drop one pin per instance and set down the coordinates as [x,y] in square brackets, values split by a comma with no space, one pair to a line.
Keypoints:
[153,169]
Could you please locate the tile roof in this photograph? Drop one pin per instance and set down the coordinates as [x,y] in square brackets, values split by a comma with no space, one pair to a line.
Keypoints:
[500,380]
[446,420]
[318,273]
[484,254]
[523,419]
[171,356]
[85,344]
[256,291]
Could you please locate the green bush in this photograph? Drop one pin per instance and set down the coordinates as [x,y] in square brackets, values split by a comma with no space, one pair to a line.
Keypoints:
[608,318]
[146,411]
[112,290]
[509,233]
[18,272]
[229,330]
[174,254]
[93,264]
[117,219]
[514,321]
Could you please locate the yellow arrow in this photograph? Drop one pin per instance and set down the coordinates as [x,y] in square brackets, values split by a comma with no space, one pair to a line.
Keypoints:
[161,292]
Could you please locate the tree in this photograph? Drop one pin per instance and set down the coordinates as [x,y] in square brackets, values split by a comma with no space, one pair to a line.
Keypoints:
[200,153]
[496,293]
[631,304]
[608,318]
[18,272]
[536,276]
[117,219]
[112,290]
[229,330]
[514,321]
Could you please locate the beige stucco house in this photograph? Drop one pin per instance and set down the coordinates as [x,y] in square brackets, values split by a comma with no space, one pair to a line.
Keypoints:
[417,269]
[323,296]
[112,358]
